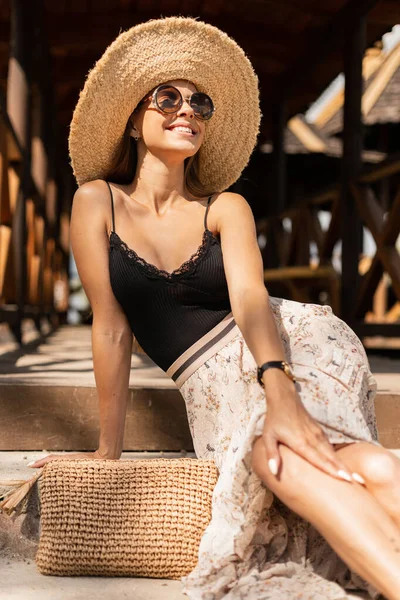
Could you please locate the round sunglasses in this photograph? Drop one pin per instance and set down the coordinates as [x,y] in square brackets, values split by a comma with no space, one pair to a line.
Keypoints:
[168,100]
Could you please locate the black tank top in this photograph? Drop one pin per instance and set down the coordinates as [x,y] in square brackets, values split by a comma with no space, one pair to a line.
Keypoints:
[168,312]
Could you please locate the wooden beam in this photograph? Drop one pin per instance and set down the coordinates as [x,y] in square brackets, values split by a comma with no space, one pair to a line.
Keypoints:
[351,227]
[307,137]
[372,60]
[385,233]
[377,86]
[369,209]
[303,238]
[390,230]
[19,111]
[300,272]
[316,232]
[384,169]
[333,232]
[368,284]
[19,72]
[279,121]
[272,255]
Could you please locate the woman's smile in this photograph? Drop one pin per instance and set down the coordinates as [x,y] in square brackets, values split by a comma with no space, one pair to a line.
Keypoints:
[183,128]
[183,131]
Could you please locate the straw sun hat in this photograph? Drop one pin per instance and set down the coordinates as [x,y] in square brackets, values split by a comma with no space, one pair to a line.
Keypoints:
[152,53]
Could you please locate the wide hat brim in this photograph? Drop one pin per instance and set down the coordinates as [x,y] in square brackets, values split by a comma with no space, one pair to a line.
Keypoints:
[150,54]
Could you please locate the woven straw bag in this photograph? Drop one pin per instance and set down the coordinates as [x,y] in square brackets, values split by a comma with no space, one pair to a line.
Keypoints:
[139,518]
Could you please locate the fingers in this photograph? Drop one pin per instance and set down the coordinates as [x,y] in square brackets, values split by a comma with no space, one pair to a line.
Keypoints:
[42,461]
[274,457]
[313,445]
[37,464]
[323,456]
[328,450]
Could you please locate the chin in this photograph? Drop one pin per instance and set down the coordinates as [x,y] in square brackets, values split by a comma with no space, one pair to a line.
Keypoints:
[186,149]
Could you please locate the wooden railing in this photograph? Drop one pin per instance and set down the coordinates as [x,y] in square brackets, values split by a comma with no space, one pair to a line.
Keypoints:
[291,269]
[289,266]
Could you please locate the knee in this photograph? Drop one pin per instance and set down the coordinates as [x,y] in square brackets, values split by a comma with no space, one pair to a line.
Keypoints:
[380,468]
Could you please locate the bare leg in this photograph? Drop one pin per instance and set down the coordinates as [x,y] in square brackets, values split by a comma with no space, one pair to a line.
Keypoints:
[346,514]
[381,470]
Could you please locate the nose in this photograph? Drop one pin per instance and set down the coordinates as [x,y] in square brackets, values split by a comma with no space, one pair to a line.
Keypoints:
[186,109]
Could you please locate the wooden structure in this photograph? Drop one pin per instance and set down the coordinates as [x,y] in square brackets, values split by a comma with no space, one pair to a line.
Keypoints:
[372,312]
[375,195]
[33,223]
[302,137]
[380,101]
[46,50]
[313,159]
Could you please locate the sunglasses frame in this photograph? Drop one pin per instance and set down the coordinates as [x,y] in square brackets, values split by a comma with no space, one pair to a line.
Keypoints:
[154,102]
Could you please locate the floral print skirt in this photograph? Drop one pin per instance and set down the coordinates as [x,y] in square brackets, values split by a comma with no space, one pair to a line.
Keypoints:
[256,548]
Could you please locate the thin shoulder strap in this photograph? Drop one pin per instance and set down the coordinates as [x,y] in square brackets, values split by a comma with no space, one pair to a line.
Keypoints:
[205,216]
[112,206]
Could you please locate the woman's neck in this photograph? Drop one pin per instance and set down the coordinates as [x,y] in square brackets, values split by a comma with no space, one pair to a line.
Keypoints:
[158,184]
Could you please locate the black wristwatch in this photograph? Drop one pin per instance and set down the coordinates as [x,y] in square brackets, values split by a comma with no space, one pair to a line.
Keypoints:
[279,364]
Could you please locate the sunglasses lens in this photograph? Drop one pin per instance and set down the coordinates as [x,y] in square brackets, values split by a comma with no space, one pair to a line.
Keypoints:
[202,105]
[168,99]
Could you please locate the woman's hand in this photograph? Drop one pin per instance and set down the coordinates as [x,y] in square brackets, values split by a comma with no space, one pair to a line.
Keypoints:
[288,422]
[42,461]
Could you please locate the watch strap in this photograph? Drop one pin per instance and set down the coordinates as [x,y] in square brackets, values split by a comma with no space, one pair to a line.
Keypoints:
[277,364]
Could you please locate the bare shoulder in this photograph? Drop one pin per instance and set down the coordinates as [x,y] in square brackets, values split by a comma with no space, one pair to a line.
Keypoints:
[91,202]
[92,193]
[231,207]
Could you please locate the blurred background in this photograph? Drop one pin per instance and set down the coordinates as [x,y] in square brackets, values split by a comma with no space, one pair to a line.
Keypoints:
[323,181]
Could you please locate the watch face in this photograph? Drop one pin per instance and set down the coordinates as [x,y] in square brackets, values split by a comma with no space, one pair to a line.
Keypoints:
[287,370]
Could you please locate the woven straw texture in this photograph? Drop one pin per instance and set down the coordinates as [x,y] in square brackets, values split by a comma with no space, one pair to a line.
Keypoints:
[150,54]
[139,518]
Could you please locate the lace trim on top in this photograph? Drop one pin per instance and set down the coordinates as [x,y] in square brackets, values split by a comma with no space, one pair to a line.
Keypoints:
[187,267]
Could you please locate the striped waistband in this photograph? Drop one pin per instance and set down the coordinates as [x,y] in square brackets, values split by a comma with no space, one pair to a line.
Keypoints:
[204,348]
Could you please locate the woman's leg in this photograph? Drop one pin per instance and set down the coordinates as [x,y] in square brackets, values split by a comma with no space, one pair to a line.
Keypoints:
[381,470]
[346,514]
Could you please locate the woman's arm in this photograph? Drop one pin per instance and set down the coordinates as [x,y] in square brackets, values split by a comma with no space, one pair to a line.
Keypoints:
[112,351]
[112,337]
[287,421]
[111,333]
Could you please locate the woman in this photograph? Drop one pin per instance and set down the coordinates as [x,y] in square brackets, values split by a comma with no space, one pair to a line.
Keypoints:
[166,122]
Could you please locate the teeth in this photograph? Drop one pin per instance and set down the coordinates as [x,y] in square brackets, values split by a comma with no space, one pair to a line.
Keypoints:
[180,128]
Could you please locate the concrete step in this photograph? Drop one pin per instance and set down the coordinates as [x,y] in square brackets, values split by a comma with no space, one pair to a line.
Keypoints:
[48,399]
[20,580]
[50,392]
